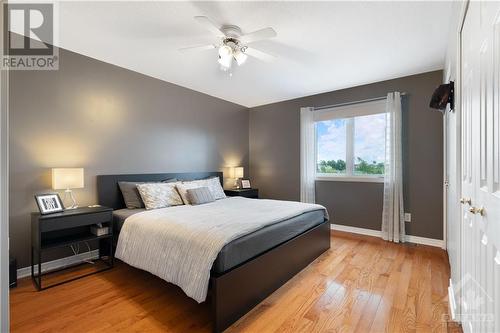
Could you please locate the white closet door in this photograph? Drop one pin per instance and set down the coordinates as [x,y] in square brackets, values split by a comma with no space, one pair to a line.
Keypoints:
[488,189]
[469,101]
[480,281]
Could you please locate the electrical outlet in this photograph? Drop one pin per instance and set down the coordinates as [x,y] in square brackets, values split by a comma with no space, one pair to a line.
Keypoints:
[407,217]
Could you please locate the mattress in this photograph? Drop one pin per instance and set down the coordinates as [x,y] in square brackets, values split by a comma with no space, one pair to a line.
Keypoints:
[120,215]
[246,247]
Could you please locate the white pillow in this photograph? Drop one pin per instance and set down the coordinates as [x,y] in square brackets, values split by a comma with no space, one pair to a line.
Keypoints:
[159,195]
[213,185]
[184,186]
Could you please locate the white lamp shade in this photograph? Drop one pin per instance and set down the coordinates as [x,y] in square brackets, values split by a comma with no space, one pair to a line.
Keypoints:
[236,172]
[67,178]
[240,57]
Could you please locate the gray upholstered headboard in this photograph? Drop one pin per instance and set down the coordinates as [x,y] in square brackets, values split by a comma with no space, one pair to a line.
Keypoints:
[109,194]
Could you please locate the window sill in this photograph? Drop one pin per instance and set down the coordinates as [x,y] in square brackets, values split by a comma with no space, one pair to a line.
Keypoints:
[350,179]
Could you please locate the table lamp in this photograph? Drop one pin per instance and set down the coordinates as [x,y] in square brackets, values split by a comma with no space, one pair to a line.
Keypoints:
[67,179]
[237,174]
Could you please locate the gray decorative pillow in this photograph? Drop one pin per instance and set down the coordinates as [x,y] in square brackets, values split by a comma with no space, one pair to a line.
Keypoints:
[159,195]
[131,195]
[212,183]
[183,187]
[170,180]
[199,195]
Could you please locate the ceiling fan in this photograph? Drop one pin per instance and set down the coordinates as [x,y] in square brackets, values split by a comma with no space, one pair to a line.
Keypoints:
[233,44]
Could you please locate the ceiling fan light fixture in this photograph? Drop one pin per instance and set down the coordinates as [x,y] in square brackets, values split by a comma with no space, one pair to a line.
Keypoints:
[240,57]
[233,44]
[225,51]
[225,62]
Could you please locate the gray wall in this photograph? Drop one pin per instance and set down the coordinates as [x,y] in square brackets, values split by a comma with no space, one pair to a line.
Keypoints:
[275,157]
[109,120]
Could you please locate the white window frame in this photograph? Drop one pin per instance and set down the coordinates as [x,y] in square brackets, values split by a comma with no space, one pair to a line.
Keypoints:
[348,112]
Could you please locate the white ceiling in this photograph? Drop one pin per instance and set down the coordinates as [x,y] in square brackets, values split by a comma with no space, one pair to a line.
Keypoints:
[321,46]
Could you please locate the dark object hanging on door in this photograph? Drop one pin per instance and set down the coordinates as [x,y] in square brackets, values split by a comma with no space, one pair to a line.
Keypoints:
[443,95]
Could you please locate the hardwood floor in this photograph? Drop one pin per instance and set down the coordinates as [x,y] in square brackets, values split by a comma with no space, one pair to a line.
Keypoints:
[362,284]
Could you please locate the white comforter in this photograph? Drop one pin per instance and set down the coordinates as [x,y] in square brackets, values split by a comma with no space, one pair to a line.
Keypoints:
[179,244]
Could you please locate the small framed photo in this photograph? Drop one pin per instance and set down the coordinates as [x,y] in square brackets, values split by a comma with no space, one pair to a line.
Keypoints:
[49,203]
[245,183]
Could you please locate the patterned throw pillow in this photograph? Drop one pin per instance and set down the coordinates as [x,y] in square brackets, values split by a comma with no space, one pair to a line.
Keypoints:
[200,195]
[159,195]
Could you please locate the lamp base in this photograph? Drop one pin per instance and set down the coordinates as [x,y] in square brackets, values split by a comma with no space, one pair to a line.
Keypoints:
[72,200]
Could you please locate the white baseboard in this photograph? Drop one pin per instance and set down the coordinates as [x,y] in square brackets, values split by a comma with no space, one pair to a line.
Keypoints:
[356,230]
[378,233]
[425,241]
[59,263]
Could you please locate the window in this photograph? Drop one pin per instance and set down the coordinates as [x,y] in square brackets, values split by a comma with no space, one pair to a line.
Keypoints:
[331,146]
[350,142]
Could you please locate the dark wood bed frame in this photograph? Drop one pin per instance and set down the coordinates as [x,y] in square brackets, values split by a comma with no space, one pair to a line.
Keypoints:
[237,291]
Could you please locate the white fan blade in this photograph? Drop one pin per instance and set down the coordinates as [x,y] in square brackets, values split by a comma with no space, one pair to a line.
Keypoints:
[198,48]
[210,25]
[261,34]
[259,54]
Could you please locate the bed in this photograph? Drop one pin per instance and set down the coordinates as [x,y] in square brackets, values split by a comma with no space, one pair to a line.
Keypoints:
[253,264]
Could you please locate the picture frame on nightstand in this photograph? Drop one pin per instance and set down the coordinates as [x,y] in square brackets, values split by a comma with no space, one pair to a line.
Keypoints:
[49,203]
[245,183]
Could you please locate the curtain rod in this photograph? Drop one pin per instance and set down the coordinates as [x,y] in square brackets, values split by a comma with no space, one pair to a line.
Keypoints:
[354,102]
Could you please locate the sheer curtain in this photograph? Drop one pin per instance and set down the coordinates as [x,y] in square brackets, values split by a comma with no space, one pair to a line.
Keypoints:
[307,155]
[393,225]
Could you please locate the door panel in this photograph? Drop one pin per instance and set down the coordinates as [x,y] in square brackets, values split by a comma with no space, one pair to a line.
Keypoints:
[480,173]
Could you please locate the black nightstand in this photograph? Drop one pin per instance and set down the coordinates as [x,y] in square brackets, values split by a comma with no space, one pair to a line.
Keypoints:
[244,192]
[67,228]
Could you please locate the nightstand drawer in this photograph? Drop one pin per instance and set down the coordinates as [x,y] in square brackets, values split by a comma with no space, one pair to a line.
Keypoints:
[252,193]
[58,223]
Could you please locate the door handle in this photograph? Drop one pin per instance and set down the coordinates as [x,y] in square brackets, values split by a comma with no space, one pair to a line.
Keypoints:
[475,210]
[466,201]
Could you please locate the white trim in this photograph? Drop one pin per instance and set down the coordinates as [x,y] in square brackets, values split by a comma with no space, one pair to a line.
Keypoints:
[356,230]
[458,152]
[425,241]
[360,179]
[378,233]
[60,263]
